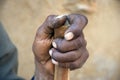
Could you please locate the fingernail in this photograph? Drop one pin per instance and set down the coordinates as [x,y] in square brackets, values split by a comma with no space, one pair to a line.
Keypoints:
[50,52]
[69,36]
[54,44]
[54,62]
[58,17]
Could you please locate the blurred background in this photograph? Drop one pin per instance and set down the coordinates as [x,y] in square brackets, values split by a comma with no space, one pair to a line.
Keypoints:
[21,19]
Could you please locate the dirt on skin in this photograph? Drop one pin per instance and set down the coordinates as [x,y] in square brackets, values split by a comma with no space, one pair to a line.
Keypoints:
[21,19]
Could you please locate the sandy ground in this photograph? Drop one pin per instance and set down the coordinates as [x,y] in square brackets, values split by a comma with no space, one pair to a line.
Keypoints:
[21,18]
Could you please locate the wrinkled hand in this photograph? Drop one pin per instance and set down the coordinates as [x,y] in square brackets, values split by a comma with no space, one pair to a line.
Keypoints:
[69,52]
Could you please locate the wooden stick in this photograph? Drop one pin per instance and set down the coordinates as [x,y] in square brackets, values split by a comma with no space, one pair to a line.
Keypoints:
[61,73]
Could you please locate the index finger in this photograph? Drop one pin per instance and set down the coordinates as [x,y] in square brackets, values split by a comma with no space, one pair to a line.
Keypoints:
[77,23]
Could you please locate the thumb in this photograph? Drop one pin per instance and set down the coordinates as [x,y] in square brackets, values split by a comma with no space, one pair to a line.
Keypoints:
[46,30]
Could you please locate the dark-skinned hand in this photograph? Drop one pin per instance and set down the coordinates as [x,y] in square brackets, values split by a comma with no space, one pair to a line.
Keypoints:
[68,52]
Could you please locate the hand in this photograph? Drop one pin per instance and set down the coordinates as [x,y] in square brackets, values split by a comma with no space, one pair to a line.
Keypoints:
[70,52]
[42,45]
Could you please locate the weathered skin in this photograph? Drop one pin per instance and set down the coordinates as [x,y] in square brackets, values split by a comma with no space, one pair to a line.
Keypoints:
[65,49]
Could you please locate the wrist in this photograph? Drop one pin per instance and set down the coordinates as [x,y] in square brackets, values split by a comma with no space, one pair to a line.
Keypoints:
[41,73]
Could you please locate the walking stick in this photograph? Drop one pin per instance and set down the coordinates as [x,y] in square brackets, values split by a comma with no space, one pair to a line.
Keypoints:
[61,73]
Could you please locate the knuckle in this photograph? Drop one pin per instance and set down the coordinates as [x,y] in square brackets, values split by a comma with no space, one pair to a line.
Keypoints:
[84,19]
[86,55]
[85,43]
[50,18]
[37,33]
[81,18]
[33,48]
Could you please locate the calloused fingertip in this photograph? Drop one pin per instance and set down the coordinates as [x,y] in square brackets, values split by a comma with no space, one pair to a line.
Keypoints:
[54,44]
[54,62]
[69,36]
[50,52]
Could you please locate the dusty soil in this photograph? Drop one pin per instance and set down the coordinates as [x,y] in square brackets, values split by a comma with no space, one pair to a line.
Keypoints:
[21,18]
